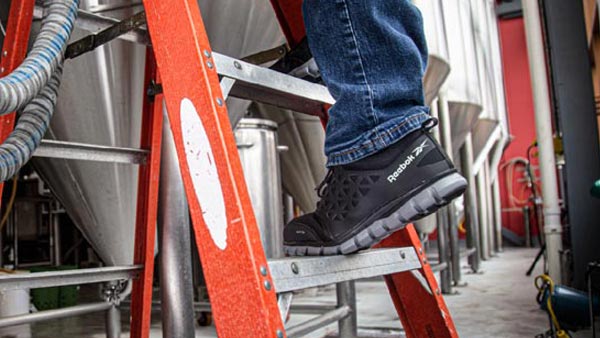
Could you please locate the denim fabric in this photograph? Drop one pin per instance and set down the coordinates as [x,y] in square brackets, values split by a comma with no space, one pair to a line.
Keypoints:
[372,56]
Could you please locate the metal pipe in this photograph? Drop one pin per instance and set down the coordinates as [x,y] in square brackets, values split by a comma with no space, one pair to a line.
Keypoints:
[527,224]
[543,129]
[496,202]
[467,253]
[446,140]
[311,325]
[90,152]
[175,245]
[56,237]
[489,210]
[442,242]
[288,208]
[15,233]
[68,277]
[346,297]
[113,322]
[439,267]
[472,217]
[482,210]
[310,309]
[55,314]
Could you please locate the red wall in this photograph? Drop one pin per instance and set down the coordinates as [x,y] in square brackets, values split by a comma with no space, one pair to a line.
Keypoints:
[519,101]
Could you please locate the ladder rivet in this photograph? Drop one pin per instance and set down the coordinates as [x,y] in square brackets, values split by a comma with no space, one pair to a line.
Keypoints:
[209,64]
[424,261]
[237,65]
[5,53]
[402,254]
[295,268]
[279,334]
[219,101]
[206,53]
[267,285]
[263,270]
[437,292]
[420,251]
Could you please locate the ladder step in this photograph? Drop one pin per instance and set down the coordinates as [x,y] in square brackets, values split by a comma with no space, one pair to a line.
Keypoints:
[264,85]
[296,273]
[90,152]
[253,82]
[68,277]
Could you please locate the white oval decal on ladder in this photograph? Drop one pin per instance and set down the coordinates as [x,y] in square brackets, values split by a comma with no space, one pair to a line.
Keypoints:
[203,170]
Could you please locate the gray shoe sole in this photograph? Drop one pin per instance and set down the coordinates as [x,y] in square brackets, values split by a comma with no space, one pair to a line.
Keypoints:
[430,199]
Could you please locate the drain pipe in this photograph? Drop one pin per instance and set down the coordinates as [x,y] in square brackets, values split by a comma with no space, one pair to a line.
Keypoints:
[543,128]
[175,245]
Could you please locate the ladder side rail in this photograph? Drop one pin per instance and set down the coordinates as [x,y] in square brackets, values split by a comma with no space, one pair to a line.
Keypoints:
[416,294]
[147,204]
[241,289]
[289,15]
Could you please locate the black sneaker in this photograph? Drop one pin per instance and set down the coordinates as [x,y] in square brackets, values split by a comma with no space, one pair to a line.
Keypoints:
[366,201]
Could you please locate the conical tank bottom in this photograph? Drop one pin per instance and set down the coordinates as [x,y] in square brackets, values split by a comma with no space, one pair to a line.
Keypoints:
[100,102]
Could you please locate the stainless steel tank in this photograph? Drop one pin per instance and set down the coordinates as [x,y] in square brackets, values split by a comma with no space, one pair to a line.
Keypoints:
[258,147]
[100,103]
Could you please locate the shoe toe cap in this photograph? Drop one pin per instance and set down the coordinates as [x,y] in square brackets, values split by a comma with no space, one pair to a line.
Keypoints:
[300,231]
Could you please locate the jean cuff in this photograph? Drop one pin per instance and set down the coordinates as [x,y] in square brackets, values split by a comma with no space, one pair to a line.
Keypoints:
[380,138]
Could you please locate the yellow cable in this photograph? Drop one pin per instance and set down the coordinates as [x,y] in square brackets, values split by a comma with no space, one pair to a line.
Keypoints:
[11,202]
[546,280]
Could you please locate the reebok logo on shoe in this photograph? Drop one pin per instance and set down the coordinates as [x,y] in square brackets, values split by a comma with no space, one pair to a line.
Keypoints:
[408,161]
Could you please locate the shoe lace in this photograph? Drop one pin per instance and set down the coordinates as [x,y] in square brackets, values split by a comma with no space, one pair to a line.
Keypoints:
[320,189]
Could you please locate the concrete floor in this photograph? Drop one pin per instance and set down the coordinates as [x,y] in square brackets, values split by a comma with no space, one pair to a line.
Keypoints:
[499,302]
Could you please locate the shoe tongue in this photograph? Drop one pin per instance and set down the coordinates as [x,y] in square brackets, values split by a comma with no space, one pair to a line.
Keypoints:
[386,156]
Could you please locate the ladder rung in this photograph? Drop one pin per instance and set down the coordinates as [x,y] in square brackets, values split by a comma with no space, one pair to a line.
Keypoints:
[295,273]
[252,82]
[268,86]
[90,152]
[67,277]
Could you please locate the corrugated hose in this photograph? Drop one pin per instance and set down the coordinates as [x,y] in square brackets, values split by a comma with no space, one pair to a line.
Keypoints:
[32,88]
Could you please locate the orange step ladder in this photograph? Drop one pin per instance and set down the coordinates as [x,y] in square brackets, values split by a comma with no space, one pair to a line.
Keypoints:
[242,285]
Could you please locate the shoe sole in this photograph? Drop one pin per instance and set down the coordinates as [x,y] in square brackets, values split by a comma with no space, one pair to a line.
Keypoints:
[424,203]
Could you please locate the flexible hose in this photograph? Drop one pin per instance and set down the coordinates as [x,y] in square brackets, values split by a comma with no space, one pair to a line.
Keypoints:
[545,284]
[31,126]
[24,83]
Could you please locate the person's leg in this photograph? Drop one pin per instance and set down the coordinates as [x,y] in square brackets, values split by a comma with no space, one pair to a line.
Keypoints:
[386,170]
[372,56]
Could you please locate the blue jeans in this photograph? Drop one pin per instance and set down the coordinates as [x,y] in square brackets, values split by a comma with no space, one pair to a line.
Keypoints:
[372,55]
